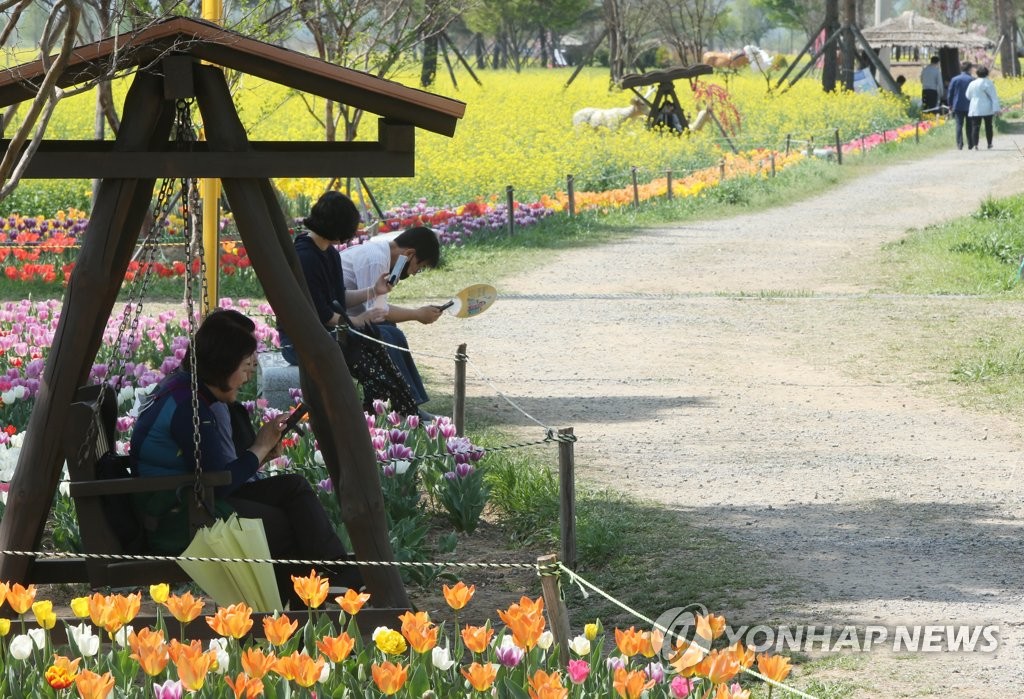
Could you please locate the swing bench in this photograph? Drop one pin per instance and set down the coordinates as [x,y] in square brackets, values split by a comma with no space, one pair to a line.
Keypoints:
[666,104]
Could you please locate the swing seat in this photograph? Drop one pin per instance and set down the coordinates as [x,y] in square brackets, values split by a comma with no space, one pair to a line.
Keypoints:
[102,489]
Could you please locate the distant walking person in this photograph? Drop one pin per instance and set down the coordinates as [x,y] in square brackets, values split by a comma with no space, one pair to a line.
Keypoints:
[931,86]
[984,104]
[960,104]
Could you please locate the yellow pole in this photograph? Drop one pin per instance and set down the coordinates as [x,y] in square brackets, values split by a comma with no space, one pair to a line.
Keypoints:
[209,189]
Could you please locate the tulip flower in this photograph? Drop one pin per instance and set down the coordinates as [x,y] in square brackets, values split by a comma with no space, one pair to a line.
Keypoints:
[256,663]
[631,684]
[336,648]
[279,629]
[184,608]
[441,658]
[80,607]
[629,642]
[680,687]
[580,645]
[351,602]
[149,651]
[62,673]
[459,595]
[159,593]
[525,620]
[44,614]
[300,668]
[389,677]
[86,641]
[243,686]
[233,621]
[480,677]
[547,686]
[389,641]
[21,647]
[477,638]
[718,667]
[578,671]
[170,689]
[21,598]
[508,653]
[93,686]
[745,657]
[733,691]
[715,622]
[312,589]
[590,631]
[774,667]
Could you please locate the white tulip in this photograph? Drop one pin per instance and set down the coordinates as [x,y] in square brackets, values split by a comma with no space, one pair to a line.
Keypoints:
[88,643]
[121,637]
[325,673]
[21,647]
[38,637]
[545,640]
[441,659]
[220,647]
[580,645]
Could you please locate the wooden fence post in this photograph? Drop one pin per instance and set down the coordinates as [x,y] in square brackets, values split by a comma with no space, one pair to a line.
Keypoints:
[636,189]
[721,171]
[917,132]
[668,182]
[789,138]
[839,149]
[773,163]
[558,613]
[810,146]
[510,196]
[570,191]
[567,493]
[459,399]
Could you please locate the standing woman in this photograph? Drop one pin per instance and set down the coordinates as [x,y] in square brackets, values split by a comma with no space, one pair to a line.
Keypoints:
[984,104]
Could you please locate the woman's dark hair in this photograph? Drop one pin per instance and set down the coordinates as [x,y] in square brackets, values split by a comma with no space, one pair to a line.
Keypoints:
[424,242]
[334,217]
[981,72]
[223,340]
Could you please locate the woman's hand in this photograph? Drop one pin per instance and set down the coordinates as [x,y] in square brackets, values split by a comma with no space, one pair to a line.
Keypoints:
[374,315]
[268,437]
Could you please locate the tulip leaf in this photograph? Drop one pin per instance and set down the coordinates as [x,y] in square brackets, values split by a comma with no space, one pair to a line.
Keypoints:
[419,682]
[515,691]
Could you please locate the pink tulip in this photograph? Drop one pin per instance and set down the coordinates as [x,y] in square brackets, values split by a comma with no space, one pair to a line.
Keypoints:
[578,670]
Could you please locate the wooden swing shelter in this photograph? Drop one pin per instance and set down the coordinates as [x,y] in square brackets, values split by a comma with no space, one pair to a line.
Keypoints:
[183,58]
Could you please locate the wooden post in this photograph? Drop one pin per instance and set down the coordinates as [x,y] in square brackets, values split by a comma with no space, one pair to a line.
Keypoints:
[636,189]
[721,171]
[558,614]
[917,132]
[120,210]
[567,493]
[459,399]
[570,191]
[668,183]
[789,138]
[863,146]
[810,146]
[773,163]
[839,149]
[511,203]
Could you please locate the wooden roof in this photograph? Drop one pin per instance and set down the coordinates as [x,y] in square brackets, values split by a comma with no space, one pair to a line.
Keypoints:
[911,29]
[210,42]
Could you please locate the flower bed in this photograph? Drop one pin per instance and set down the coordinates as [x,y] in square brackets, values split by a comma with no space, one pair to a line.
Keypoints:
[415,657]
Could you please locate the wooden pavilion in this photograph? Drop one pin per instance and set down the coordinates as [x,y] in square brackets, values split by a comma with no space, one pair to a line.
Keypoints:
[185,58]
[910,34]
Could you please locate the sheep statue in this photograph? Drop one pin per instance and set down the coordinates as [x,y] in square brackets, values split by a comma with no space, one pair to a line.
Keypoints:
[612,117]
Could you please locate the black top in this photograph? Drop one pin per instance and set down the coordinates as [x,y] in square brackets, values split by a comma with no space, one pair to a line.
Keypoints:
[322,269]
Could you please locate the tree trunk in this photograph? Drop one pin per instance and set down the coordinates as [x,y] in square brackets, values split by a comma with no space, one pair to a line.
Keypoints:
[829,69]
[480,50]
[428,71]
[1008,36]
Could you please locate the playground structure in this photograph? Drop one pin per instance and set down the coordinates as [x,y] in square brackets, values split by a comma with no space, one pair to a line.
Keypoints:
[179,62]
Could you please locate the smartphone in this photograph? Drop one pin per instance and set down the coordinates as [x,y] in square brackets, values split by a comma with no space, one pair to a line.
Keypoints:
[293,420]
[446,306]
[396,271]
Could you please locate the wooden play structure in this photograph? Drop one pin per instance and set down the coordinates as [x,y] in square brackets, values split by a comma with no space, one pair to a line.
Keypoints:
[666,109]
[174,62]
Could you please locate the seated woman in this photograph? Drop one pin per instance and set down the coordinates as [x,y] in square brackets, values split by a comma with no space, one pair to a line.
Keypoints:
[163,444]
[335,219]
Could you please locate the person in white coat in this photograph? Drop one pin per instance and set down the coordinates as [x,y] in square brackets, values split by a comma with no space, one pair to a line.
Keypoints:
[984,104]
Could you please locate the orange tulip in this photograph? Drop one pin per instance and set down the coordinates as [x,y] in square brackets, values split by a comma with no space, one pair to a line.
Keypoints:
[93,686]
[631,684]
[525,620]
[62,673]
[651,642]
[300,668]
[545,686]
[688,653]
[336,648]
[4,587]
[21,598]
[184,608]
[312,590]
[124,608]
[715,622]
[352,601]
[389,677]
[419,631]
[249,687]
[279,629]
[192,666]
[177,649]
[477,638]
[718,667]
[481,677]
[257,664]
[233,621]
[774,667]
[744,656]
[149,650]
[458,596]
[629,642]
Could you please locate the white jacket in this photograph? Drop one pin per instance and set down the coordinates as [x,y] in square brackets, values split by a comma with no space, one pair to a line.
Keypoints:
[984,100]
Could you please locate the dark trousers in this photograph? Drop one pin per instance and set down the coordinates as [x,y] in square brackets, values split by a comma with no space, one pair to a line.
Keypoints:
[974,125]
[296,527]
[963,125]
[929,100]
[393,335]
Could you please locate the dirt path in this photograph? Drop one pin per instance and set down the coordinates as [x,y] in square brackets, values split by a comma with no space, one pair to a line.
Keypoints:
[733,370]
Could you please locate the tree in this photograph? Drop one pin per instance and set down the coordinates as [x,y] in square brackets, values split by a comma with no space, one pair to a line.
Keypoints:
[805,15]
[628,24]
[688,25]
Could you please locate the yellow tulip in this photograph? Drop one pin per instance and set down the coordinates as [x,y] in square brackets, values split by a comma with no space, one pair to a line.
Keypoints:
[159,593]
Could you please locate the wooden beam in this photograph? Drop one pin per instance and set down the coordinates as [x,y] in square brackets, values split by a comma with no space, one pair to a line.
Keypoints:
[393,157]
[121,207]
[335,410]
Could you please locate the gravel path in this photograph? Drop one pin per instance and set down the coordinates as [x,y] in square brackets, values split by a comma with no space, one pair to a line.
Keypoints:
[732,370]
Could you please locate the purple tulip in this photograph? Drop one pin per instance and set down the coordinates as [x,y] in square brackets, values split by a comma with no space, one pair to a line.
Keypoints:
[170,689]
[509,654]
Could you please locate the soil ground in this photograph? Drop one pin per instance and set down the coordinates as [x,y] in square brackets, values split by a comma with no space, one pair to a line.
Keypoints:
[746,374]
